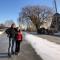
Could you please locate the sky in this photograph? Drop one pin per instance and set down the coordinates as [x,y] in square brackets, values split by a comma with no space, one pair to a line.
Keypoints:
[9,9]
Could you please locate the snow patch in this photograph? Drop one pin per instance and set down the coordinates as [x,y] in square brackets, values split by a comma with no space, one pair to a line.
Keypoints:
[1,32]
[44,48]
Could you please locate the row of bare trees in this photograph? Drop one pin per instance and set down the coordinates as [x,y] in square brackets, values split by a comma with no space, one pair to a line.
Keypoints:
[33,14]
[6,24]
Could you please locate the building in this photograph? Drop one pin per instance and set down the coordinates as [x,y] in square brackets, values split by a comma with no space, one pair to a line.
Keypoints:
[52,25]
[55,24]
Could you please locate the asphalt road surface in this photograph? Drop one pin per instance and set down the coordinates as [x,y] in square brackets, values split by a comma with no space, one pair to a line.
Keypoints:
[26,53]
[52,38]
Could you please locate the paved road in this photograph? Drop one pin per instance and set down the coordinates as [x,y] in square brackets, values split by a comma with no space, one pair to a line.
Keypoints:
[52,38]
[55,39]
[27,52]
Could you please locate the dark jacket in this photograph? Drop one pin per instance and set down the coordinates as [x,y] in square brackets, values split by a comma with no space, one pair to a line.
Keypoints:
[11,32]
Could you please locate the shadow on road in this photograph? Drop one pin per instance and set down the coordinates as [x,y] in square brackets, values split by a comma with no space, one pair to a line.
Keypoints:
[55,35]
[3,55]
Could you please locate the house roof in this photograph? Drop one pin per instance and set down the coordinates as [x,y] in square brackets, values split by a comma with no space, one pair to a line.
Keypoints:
[56,14]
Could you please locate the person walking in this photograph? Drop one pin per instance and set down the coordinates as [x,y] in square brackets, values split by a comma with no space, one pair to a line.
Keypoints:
[11,32]
[19,38]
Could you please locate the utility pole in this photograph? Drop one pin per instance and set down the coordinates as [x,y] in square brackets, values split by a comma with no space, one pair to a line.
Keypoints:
[55,4]
[56,15]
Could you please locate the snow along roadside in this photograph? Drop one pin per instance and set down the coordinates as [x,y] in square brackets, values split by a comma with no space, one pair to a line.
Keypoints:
[1,32]
[44,48]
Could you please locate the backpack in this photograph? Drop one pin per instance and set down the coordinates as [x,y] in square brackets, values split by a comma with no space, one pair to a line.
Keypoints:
[19,36]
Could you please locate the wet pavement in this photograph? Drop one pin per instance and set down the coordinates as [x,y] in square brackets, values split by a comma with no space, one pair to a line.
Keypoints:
[26,52]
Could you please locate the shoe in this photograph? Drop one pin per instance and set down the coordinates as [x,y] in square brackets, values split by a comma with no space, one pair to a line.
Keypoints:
[12,53]
[9,54]
[18,54]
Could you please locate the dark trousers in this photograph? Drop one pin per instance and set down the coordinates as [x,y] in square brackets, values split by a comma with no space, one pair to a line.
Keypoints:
[17,46]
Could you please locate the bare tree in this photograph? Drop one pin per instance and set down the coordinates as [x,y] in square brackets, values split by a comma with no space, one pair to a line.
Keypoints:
[37,14]
[8,23]
[2,26]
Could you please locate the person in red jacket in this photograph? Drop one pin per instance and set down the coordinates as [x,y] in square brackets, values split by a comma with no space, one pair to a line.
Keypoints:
[18,41]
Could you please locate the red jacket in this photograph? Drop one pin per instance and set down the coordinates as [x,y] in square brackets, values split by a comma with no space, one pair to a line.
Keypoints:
[19,36]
